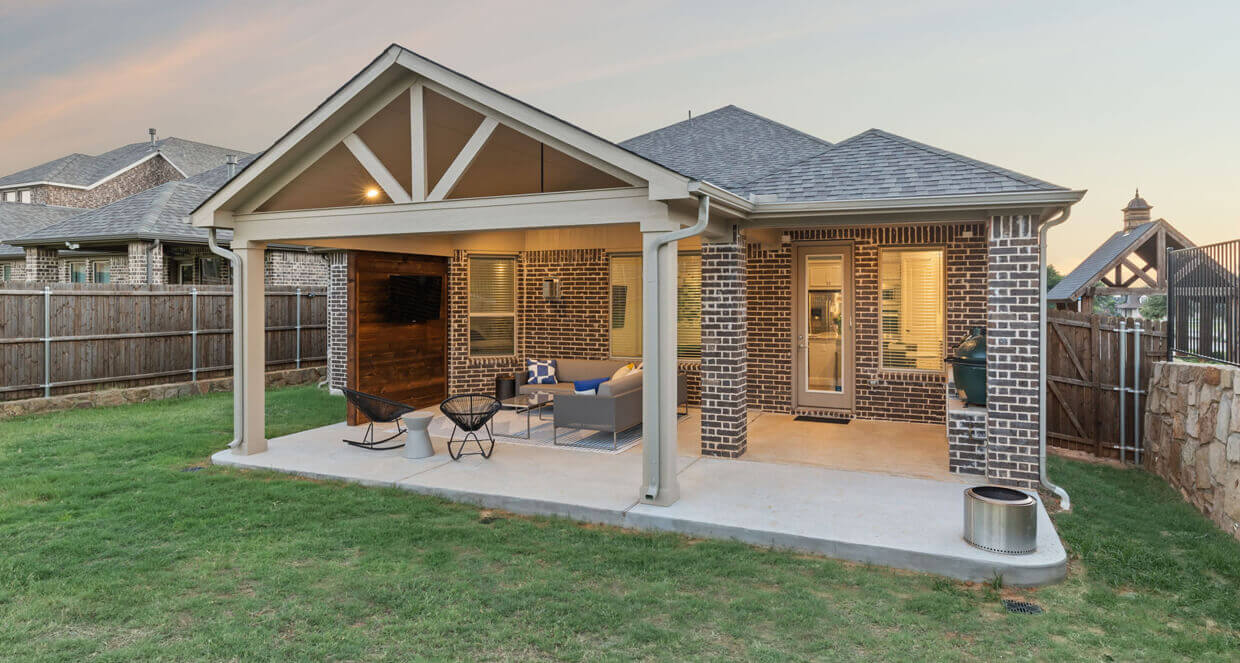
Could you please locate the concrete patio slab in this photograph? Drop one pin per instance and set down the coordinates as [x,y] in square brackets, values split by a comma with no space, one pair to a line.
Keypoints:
[902,522]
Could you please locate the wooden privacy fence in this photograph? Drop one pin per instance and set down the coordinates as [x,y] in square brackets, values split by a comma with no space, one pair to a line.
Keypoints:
[67,338]
[1097,369]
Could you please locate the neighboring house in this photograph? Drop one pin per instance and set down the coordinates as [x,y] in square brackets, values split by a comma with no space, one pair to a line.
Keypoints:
[1130,264]
[127,223]
[776,271]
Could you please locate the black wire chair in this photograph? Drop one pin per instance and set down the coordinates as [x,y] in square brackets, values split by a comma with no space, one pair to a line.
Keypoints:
[382,410]
[470,413]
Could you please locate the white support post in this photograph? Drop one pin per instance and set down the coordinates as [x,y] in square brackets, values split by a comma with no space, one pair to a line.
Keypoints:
[417,142]
[377,170]
[659,450]
[463,159]
[254,340]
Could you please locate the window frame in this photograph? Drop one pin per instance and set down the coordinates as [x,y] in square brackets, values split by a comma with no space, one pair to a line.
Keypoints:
[516,303]
[942,249]
[611,302]
[94,270]
[85,265]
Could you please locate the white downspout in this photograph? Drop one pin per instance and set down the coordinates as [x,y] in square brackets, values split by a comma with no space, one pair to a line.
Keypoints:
[660,358]
[238,308]
[1064,501]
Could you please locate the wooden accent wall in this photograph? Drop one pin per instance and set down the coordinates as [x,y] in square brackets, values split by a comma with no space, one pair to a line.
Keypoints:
[399,361]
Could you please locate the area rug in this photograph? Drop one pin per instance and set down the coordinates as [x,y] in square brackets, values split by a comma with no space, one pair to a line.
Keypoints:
[509,428]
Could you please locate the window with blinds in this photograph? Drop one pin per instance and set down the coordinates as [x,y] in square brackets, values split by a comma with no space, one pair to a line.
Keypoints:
[492,306]
[626,306]
[912,285]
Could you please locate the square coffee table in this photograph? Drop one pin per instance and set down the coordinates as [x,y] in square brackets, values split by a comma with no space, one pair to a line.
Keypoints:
[528,403]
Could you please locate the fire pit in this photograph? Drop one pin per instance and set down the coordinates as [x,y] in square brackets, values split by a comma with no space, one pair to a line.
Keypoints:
[1001,519]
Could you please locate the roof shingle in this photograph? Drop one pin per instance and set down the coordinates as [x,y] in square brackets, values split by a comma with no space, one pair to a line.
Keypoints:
[83,170]
[17,219]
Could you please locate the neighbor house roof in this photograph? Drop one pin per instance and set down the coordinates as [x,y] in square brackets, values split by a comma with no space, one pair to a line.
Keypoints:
[876,164]
[727,147]
[158,213]
[18,219]
[85,171]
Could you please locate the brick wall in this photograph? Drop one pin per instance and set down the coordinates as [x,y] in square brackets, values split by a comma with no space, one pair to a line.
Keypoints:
[1012,351]
[42,265]
[337,319]
[138,252]
[17,270]
[468,375]
[881,394]
[724,406]
[150,173]
[296,268]
[966,440]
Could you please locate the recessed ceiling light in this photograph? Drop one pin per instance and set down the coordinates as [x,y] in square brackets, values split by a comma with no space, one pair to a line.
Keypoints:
[372,193]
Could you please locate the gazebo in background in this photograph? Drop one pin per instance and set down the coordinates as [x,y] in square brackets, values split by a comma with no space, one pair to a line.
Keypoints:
[1130,264]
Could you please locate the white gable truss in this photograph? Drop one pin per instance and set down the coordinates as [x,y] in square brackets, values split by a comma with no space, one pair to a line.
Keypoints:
[373,153]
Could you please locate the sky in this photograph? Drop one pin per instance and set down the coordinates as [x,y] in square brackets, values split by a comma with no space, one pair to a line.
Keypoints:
[1104,96]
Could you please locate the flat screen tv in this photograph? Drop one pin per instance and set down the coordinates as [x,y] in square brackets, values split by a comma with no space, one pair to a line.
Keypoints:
[414,298]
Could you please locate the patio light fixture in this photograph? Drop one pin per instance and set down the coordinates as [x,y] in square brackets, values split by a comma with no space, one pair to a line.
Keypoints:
[372,193]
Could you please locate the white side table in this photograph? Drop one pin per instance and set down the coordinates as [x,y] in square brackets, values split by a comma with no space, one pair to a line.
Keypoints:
[417,441]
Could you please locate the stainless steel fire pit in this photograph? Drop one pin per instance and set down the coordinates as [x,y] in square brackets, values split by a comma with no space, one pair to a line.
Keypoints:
[1000,519]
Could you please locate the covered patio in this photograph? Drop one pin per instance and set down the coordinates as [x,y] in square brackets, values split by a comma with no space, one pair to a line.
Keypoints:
[895,520]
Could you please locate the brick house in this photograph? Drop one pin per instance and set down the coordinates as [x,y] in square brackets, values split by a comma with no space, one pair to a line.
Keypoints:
[120,217]
[780,273]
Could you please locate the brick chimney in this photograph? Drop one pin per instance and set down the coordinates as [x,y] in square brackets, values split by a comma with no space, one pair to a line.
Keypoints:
[1137,212]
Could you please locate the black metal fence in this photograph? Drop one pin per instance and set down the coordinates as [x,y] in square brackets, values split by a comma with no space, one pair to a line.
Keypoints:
[1203,302]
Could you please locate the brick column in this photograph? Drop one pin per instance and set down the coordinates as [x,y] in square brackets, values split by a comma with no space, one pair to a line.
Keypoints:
[137,263]
[337,319]
[1012,334]
[42,265]
[724,402]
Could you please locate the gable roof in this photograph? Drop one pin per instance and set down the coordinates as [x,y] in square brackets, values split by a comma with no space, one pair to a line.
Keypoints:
[876,164]
[727,147]
[17,219]
[84,171]
[160,212]
[1094,267]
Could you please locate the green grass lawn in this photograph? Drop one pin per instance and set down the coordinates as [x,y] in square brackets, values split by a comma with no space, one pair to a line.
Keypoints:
[111,551]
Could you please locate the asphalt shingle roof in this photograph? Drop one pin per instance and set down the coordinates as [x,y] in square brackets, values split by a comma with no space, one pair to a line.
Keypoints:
[1089,271]
[727,146]
[17,219]
[159,212]
[877,164]
[84,170]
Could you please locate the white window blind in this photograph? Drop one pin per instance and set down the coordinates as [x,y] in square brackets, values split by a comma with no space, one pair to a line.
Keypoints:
[912,286]
[626,306]
[492,306]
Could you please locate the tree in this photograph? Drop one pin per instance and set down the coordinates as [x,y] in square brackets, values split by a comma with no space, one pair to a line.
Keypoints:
[1154,307]
[1106,305]
[1053,277]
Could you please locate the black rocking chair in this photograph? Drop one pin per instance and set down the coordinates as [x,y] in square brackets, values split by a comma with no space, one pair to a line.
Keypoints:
[470,413]
[382,410]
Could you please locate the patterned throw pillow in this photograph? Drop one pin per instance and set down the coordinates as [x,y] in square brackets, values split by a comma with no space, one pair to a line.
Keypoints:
[622,371]
[540,371]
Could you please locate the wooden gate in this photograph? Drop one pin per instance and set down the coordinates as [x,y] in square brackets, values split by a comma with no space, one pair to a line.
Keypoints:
[1097,370]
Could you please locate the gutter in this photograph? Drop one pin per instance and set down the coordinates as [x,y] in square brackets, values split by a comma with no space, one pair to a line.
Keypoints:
[1064,500]
[660,464]
[238,309]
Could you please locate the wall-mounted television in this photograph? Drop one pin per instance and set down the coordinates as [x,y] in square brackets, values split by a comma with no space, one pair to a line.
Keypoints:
[414,298]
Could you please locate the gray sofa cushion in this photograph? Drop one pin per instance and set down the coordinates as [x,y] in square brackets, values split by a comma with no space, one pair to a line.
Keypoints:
[622,386]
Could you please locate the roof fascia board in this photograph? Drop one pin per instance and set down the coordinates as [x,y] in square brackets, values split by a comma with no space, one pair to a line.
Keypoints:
[663,183]
[990,201]
[204,215]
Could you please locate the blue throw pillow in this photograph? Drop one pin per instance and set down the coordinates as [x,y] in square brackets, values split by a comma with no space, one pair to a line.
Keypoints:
[581,386]
[540,371]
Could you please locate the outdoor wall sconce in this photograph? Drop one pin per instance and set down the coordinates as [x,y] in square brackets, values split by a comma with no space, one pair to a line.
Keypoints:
[551,290]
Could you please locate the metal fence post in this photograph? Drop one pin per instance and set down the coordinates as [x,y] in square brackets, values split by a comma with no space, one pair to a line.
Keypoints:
[1138,426]
[193,335]
[299,328]
[47,341]
[1123,389]
[1170,281]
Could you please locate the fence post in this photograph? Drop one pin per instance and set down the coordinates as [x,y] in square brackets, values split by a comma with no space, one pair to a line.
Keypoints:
[1138,425]
[47,341]
[298,327]
[193,335]
[1170,303]
[1123,389]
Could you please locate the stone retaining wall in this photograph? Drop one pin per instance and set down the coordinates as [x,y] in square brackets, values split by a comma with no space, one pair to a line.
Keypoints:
[1192,436]
[154,392]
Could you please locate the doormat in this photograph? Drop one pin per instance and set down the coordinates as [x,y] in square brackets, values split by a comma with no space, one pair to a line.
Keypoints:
[822,420]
